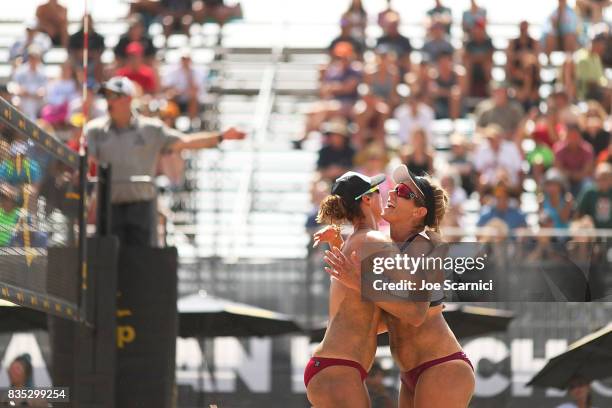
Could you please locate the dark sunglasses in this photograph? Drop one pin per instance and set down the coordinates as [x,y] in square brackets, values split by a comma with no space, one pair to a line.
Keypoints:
[403,191]
[112,95]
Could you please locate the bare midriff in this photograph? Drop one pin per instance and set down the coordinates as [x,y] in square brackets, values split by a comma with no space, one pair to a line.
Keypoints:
[412,346]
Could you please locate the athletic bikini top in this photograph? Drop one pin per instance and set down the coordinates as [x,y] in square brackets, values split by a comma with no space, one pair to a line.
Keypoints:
[437,296]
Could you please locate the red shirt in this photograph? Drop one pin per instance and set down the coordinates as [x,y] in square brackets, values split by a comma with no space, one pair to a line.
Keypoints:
[143,76]
[573,159]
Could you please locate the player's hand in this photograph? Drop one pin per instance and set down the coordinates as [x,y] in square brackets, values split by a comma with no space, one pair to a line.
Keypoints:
[233,134]
[329,234]
[344,269]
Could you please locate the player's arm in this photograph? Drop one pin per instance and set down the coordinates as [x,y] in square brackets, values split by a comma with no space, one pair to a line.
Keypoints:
[348,271]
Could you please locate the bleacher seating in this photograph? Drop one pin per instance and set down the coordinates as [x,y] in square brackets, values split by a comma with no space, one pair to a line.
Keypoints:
[237,57]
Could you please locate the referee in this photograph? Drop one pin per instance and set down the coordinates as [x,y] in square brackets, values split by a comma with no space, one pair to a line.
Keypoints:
[131,144]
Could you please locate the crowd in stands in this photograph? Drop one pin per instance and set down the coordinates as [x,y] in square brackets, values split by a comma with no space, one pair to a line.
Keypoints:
[54,100]
[382,99]
[56,103]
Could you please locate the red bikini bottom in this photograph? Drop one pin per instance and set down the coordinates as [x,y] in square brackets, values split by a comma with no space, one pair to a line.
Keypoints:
[410,378]
[317,364]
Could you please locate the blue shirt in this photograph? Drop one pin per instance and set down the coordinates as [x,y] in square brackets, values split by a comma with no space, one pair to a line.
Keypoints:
[512,216]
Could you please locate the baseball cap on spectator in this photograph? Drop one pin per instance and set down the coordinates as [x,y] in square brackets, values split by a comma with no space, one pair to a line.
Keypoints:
[34,49]
[343,49]
[553,175]
[185,53]
[31,24]
[135,48]
[120,85]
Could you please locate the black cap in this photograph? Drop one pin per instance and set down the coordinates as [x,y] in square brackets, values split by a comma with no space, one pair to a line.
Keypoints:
[352,186]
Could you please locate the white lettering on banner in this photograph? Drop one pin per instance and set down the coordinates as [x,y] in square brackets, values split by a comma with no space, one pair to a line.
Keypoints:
[301,350]
[189,370]
[601,389]
[493,350]
[231,360]
[25,343]
[524,366]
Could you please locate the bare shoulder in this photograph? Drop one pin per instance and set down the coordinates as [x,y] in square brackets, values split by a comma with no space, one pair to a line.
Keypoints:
[376,237]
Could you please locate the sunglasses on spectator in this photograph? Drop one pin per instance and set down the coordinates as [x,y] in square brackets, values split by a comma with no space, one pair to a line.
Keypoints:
[374,189]
[403,191]
[112,95]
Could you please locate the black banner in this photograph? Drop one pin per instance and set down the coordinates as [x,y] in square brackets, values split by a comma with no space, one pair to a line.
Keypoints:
[146,327]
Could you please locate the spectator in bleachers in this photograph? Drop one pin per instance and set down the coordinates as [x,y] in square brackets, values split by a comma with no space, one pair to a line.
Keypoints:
[53,20]
[370,114]
[596,201]
[496,159]
[591,11]
[461,163]
[523,67]
[341,77]
[383,76]
[346,35]
[591,81]
[555,200]
[560,31]
[393,40]
[420,81]
[60,92]
[215,10]
[418,155]
[560,110]
[136,69]
[594,131]
[502,209]
[436,44]
[336,156]
[357,17]
[478,60]
[457,197]
[95,103]
[96,48]
[136,32]
[19,50]
[541,158]
[148,9]
[440,14]
[413,114]
[184,84]
[176,16]
[30,83]
[471,16]
[448,88]
[500,110]
[382,16]
[518,48]
[10,209]
[574,157]
[338,89]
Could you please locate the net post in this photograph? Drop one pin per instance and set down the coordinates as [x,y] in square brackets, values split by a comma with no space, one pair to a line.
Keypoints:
[104,204]
[85,313]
